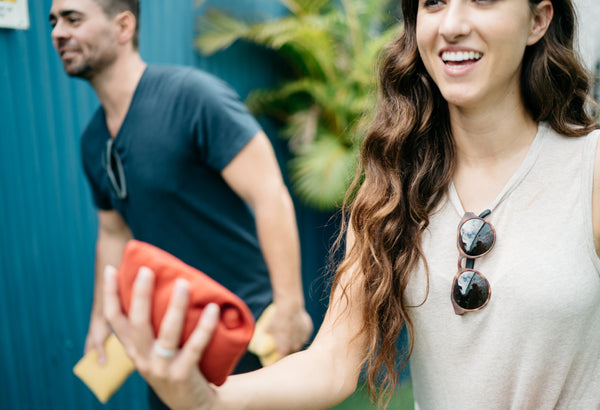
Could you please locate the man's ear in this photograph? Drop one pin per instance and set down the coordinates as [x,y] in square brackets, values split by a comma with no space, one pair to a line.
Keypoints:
[542,17]
[126,24]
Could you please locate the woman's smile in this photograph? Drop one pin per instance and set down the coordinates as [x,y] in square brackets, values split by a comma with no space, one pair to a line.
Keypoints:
[459,62]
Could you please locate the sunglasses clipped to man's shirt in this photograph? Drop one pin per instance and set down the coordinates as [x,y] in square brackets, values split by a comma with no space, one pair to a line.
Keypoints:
[114,170]
[470,289]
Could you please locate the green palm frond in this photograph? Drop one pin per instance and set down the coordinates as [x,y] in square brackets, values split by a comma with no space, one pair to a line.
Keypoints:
[323,172]
[302,128]
[288,96]
[338,107]
[305,43]
[219,32]
[329,48]
[310,49]
[305,7]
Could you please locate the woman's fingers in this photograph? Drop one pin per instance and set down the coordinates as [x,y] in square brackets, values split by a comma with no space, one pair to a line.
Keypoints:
[159,361]
[200,337]
[171,326]
[112,304]
[135,330]
[141,298]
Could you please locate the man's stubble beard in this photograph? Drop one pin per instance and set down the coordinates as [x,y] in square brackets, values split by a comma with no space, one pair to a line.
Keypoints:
[89,68]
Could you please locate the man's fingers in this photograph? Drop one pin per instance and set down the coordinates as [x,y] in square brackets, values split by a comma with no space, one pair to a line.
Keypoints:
[306,331]
[291,333]
[101,353]
[89,345]
[200,337]
[170,329]
[94,344]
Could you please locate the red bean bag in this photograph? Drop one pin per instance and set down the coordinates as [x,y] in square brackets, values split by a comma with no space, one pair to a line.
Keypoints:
[236,324]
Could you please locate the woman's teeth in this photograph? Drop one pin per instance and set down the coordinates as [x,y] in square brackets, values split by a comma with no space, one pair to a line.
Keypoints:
[460,56]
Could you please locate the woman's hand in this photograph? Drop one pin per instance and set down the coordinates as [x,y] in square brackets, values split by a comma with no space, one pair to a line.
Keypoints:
[171,372]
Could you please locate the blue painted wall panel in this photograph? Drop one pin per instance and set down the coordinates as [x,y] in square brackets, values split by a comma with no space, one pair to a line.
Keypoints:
[47,220]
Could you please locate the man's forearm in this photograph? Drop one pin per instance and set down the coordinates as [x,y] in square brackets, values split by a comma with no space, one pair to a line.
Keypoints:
[113,234]
[278,236]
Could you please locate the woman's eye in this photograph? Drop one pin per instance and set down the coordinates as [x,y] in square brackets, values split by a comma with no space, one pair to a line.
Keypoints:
[431,3]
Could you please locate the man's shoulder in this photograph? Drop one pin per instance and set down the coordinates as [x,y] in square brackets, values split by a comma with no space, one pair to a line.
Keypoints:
[182,75]
[93,138]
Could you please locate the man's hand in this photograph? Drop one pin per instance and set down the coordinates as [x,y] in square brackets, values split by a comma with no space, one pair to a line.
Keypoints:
[290,328]
[98,332]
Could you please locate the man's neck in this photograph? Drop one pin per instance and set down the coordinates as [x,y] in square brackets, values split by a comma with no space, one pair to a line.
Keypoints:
[115,87]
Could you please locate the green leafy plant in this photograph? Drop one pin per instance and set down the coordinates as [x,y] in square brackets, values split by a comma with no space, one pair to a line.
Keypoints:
[329,49]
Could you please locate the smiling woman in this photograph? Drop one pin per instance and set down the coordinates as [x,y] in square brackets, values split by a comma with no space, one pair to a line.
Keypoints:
[480,104]
[496,31]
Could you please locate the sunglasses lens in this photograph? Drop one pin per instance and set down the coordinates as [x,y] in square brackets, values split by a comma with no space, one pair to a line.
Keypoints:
[476,237]
[471,290]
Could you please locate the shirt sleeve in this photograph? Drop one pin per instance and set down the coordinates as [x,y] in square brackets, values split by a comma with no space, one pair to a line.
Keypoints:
[92,160]
[100,199]
[223,123]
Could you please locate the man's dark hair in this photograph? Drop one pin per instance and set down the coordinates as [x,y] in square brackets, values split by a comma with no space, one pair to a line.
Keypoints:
[113,7]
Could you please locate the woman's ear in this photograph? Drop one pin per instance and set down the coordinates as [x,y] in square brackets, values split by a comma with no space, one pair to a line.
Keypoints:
[542,17]
[126,23]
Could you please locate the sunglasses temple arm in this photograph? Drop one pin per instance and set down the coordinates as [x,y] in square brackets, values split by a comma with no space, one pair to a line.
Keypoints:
[485,213]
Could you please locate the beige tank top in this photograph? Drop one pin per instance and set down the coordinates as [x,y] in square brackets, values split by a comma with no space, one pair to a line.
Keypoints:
[536,345]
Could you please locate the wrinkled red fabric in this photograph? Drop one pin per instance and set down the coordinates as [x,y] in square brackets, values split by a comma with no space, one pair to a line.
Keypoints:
[236,324]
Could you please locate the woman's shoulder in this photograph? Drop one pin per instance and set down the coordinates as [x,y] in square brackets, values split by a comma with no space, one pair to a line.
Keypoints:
[575,134]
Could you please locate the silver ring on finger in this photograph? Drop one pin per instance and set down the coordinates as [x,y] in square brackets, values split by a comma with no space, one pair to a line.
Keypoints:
[162,352]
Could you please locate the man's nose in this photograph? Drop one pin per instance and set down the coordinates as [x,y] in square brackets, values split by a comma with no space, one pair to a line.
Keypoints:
[58,31]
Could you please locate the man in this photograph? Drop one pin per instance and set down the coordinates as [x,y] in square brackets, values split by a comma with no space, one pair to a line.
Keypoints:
[174,159]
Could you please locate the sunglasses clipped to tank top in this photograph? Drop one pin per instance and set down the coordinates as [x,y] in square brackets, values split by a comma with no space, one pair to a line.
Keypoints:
[470,289]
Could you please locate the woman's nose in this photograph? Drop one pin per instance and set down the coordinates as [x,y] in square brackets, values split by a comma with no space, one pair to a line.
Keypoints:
[455,22]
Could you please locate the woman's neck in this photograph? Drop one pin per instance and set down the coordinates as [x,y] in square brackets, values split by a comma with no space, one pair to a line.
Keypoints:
[490,147]
[491,136]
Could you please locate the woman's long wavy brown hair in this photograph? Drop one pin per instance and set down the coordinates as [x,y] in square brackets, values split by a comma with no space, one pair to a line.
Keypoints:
[406,163]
